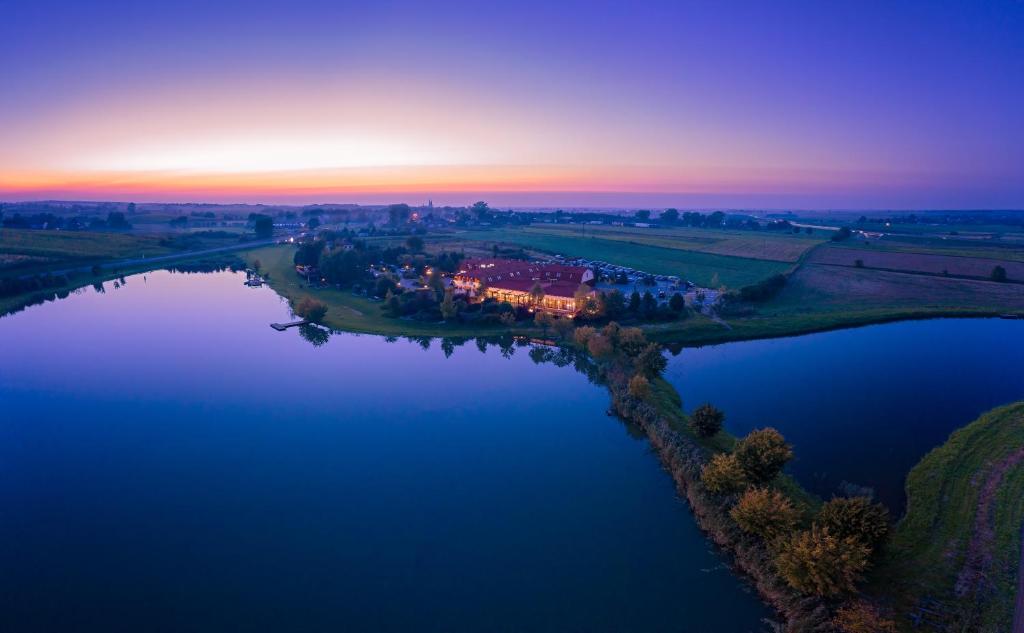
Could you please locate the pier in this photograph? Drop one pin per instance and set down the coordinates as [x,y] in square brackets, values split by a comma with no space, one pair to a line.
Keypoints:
[281,327]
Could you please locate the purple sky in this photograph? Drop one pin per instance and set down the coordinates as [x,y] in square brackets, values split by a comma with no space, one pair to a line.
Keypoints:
[773,104]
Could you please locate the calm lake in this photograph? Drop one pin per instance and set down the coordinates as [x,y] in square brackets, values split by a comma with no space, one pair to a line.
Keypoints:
[860,406]
[168,462]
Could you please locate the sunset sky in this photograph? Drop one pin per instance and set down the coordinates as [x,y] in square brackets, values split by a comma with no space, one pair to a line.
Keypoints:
[767,105]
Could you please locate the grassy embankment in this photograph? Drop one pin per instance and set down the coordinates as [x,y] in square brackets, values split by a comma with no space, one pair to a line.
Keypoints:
[957,551]
[26,253]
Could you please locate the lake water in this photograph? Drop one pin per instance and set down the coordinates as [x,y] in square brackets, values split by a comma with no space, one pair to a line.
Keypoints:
[168,462]
[860,406]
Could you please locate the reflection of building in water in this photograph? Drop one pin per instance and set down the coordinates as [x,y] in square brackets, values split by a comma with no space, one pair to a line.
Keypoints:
[554,288]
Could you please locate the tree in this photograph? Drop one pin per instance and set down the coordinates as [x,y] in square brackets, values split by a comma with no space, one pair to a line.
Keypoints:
[706,420]
[650,305]
[116,220]
[632,341]
[537,293]
[843,233]
[999,274]
[414,243]
[256,264]
[612,331]
[614,304]
[820,563]
[507,318]
[313,223]
[398,214]
[766,513]
[131,208]
[762,454]
[311,309]
[583,334]
[670,216]
[862,617]
[544,320]
[723,475]
[856,517]
[563,327]
[599,346]
[639,387]
[634,302]
[643,215]
[449,309]
[263,225]
[677,303]
[480,210]
[650,361]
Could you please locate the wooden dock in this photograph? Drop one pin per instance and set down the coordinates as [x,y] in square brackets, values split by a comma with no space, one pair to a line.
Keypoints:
[281,327]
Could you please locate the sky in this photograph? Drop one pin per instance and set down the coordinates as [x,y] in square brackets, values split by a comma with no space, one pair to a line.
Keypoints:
[852,105]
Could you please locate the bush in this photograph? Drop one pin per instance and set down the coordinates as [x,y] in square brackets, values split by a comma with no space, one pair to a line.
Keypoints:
[723,475]
[706,420]
[582,335]
[999,274]
[762,454]
[311,310]
[639,387]
[861,617]
[651,362]
[632,341]
[598,345]
[767,513]
[820,563]
[857,517]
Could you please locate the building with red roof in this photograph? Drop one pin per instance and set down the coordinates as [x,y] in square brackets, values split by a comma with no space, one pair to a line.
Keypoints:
[554,288]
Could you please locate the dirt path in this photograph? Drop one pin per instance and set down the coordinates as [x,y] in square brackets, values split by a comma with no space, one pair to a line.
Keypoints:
[1018,614]
[973,576]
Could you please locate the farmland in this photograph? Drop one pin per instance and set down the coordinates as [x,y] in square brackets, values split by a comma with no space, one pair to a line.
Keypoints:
[773,246]
[917,262]
[703,268]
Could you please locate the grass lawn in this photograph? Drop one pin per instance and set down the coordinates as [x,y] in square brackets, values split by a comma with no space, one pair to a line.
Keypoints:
[701,268]
[963,526]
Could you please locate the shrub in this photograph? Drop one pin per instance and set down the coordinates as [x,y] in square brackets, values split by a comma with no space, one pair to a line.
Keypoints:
[723,475]
[582,335]
[706,420]
[639,387]
[311,309]
[651,362]
[632,340]
[762,454]
[817,562]
[861,617]
[677,303]
[599,346]
[999,274]
[767,513]
[857,517]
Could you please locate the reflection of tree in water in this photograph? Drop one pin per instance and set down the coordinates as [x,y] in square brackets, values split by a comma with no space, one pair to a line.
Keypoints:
[314,334]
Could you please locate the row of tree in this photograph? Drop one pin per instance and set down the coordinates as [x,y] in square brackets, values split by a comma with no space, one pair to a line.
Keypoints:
[825,554]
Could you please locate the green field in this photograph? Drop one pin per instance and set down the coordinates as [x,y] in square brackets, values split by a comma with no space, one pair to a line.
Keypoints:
[770,245]
[56,246]
[699,267]
[963,527]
